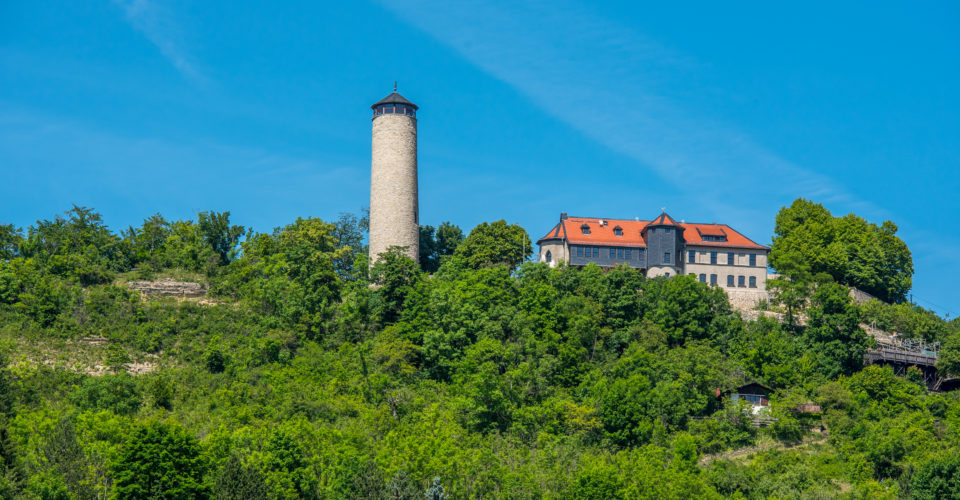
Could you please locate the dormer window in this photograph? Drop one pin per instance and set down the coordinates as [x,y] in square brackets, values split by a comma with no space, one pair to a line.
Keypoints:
[618,231]
[710,237]
[585,229]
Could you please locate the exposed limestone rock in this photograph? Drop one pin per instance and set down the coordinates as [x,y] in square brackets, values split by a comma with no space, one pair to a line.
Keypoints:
[168,286]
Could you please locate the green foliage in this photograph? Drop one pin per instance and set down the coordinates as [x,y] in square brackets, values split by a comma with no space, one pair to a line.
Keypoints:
[11,468]
[117,393]
[850,249]
[438,244]
[160,460]
[64,455]
[435,491]
[79,247]
[308,374]
[396,276]
[494,244]
[218,234]
[949,359]
[7,397]
[239,481]
[11,238]
[290,274]
[833,331]
[351,262]
[938,478]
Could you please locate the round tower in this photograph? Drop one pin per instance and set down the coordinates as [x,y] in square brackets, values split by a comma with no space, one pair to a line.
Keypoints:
[394,207]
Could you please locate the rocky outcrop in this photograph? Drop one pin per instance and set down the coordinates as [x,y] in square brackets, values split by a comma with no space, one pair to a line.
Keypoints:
[169,287]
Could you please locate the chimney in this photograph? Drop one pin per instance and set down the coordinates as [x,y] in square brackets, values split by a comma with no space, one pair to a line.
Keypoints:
[563,216]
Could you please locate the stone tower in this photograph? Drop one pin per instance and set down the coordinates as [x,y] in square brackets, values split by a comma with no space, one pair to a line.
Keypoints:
[394,206]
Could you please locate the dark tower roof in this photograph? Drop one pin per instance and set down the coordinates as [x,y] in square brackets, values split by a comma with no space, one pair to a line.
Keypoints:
[394,98]
[664,220]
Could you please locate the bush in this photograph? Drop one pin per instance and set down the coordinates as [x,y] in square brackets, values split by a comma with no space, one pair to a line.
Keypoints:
[160,460]
[116,393]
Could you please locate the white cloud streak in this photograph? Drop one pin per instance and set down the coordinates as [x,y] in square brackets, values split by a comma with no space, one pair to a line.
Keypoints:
[158,25]
[600,78]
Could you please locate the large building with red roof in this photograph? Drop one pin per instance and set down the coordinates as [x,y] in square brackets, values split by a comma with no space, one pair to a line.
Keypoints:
[713,253]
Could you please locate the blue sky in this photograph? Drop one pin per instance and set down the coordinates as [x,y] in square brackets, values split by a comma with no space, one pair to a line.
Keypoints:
[717,112]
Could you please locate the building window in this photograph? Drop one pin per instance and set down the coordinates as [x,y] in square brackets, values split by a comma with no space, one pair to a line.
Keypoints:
[753,282]
[703,278]
[619,253]
[549,257]
[585,229]
[666,274]
[618,231]
[596,251]
[708,237]
[580,252]
[713,279]
[627,253]
[666,257]
[753,260]
[741,282]
[713,257]
[613,253]
[692,257]
[666,230]
[640,253]
[730,280]
[730,260]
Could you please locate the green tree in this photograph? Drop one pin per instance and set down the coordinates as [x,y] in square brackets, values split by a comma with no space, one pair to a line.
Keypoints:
[495,244]
[833,331]
[65,456]
[11,467]
[10,239]
[7,396]
[348,234]
[219,235]
[117,393]
[401,487]
[438,244]
[240,481]
[850,249]
[435,491]
[948,361]
[78,247]
[449,237]
[429,259]
[290,274]
[160,461]
[937,479]
[396,276]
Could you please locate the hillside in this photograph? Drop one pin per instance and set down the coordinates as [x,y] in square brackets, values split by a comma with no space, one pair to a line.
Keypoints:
[286,369]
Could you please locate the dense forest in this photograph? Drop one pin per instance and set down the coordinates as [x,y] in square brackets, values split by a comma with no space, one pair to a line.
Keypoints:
[475,373]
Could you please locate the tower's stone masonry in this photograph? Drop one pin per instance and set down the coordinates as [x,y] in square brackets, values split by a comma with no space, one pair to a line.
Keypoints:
[394,210]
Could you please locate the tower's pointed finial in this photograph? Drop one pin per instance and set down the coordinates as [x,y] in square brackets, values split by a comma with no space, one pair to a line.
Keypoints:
[394,85]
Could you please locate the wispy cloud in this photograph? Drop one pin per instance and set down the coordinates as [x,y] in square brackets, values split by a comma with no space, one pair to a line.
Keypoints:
[129,177]
[157,23]
[602,78]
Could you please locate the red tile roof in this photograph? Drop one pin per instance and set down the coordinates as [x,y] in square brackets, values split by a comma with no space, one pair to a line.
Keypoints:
[634,232]
[711,230]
